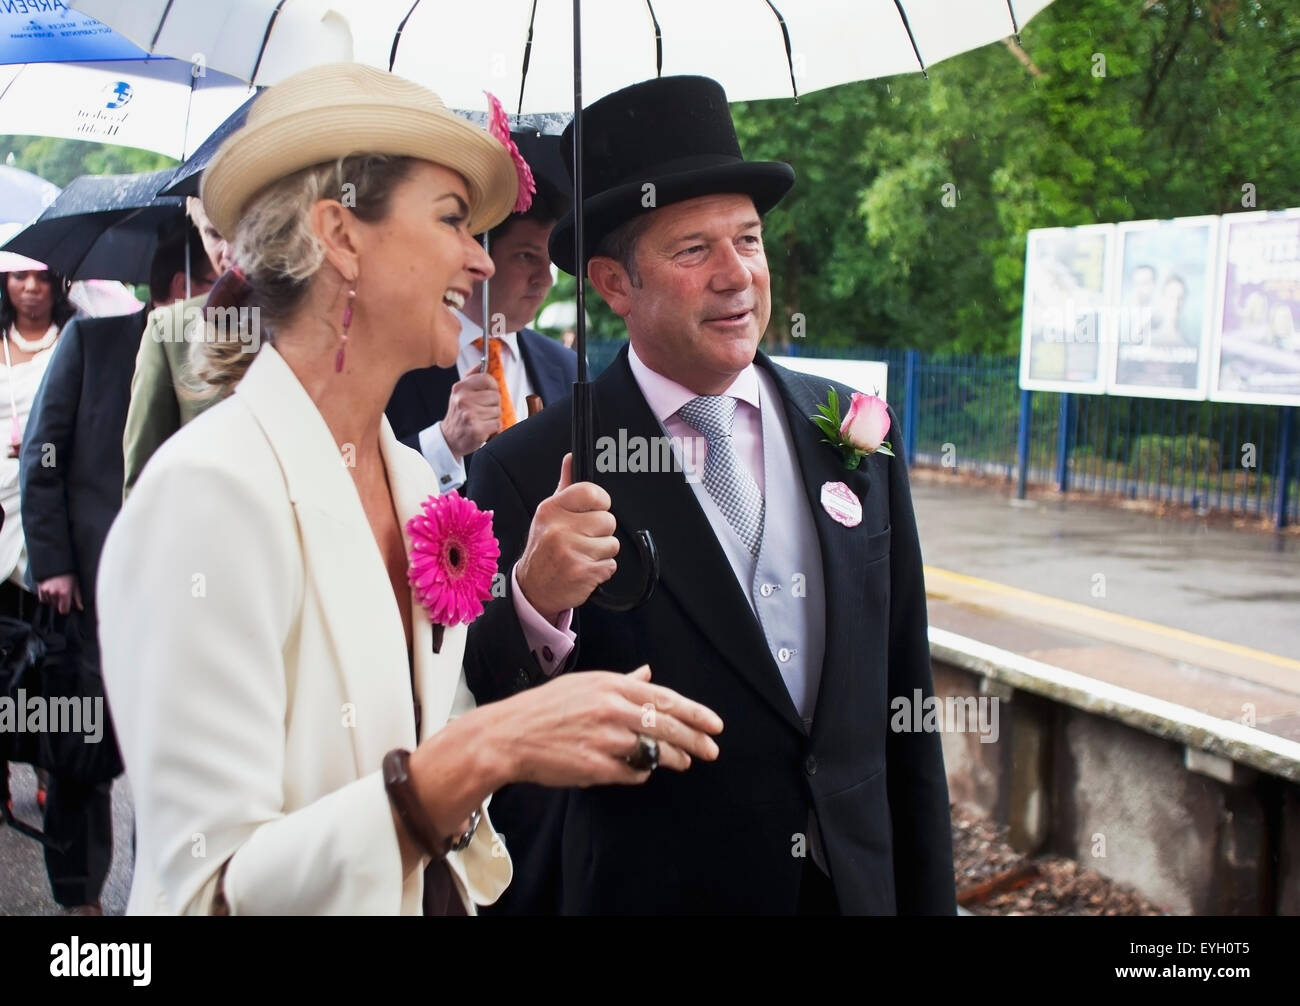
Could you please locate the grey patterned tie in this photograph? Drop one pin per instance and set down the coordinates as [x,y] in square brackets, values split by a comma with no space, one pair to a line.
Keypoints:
[728,481]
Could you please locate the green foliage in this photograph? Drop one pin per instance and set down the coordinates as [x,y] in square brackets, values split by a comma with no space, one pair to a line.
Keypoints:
[60,161]
[1197,100]
[1157,453]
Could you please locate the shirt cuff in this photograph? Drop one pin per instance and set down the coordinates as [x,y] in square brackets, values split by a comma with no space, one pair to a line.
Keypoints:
[551,644]
[450,472]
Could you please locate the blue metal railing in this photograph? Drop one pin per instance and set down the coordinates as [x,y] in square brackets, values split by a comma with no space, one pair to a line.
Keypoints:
[968,413]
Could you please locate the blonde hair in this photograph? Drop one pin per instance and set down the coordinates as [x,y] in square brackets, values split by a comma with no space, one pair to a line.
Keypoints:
[278,252]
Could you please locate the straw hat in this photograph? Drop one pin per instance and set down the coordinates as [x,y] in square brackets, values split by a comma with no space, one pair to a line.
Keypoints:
[340,109]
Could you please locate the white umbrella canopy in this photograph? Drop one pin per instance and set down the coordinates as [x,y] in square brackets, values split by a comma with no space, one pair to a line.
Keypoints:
[23,196]
[754,48]
[155,104]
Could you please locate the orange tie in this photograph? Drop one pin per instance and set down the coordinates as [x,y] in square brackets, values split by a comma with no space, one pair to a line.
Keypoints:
[497,369]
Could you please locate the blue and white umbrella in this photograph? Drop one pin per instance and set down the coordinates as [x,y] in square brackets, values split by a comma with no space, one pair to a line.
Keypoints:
[155,104]
[62,73]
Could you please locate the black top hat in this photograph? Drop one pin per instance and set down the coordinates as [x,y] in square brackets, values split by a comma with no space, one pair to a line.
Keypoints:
[675,133]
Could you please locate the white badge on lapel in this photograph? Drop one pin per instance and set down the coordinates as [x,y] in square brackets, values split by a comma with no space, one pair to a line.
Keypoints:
[841,503]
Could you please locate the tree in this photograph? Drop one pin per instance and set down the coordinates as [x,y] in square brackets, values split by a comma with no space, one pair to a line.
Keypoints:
[908,223]
[60,161]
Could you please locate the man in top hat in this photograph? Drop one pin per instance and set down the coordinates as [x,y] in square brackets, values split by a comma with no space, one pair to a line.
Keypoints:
[791,598]
[445,413]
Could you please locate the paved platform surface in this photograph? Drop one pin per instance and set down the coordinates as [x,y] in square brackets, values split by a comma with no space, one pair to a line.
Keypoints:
[24,889]
[1207,617]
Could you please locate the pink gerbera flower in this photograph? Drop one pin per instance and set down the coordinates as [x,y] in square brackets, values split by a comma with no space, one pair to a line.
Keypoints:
[499,126]
[453,558]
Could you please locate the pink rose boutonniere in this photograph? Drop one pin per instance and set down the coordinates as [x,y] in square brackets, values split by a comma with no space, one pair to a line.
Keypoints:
[453,559]
[858,434]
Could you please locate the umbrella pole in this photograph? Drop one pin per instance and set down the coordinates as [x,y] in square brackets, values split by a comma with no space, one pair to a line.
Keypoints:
[583,444]
[584,432]
[484,315]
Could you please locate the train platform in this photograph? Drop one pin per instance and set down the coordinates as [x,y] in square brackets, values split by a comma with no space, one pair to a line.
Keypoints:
[1201,616]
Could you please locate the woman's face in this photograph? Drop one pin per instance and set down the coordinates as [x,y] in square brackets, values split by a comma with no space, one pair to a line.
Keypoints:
[32,294]
[419,264]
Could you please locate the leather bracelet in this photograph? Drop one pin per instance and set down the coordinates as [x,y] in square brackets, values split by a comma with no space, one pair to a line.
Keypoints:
[406,804]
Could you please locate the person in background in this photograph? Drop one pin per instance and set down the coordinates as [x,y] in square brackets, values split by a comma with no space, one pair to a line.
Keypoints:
[71,479]
[159,405]
[34,307]
[446,413]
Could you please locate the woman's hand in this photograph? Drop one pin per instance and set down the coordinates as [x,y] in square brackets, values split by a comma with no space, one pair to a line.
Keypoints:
[580,729]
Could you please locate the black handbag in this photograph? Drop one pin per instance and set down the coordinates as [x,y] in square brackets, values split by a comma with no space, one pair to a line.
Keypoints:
[22,652]
[55,676]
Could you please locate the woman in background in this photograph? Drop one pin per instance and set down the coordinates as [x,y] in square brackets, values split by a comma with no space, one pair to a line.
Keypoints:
[33,309]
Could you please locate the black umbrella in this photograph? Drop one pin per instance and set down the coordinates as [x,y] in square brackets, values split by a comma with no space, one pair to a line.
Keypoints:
[185,180]
[102,227]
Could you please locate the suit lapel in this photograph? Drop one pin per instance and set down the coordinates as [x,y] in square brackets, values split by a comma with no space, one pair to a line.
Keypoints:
[434,390]
[693,567]
[843,549]
[546,378]
[342,561]
[435,674]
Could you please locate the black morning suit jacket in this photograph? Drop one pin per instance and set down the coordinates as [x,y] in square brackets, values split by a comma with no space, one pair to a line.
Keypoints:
[720,838]
[421,396]
[72,489]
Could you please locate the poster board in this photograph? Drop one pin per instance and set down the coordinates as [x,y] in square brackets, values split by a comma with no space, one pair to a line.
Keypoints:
[867,376]
[1256,336]
[1160,306]
[1062,330]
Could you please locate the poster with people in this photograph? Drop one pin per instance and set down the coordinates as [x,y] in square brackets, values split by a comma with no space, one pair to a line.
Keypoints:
[1160,311]
[1257,322]
[1062,330]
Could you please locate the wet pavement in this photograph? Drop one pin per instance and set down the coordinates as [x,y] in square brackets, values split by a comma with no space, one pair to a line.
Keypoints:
[1238,586]
[24,889]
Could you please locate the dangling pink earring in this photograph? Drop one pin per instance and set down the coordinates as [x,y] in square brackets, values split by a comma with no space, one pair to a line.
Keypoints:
[343,336]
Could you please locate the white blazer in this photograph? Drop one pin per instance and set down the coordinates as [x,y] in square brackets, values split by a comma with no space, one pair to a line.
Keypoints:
[257,673]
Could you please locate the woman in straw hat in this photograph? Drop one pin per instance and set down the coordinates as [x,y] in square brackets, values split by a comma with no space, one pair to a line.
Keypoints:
[297,732]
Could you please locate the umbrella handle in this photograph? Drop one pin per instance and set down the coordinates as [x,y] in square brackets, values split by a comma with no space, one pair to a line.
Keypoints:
[649,557]
[584,468]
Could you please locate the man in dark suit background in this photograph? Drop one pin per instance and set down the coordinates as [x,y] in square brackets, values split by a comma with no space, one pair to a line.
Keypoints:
[71,471]
[446,413]
[791,598]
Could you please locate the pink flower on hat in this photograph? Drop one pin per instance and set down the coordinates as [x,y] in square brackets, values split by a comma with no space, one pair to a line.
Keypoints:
[499,127]
[453,558]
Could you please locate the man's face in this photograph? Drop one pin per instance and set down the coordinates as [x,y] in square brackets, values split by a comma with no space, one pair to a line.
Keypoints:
[704,296]
[217,247]
[523,277]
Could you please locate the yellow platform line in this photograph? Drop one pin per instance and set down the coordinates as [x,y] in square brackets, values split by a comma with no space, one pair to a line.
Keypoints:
[934,574]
